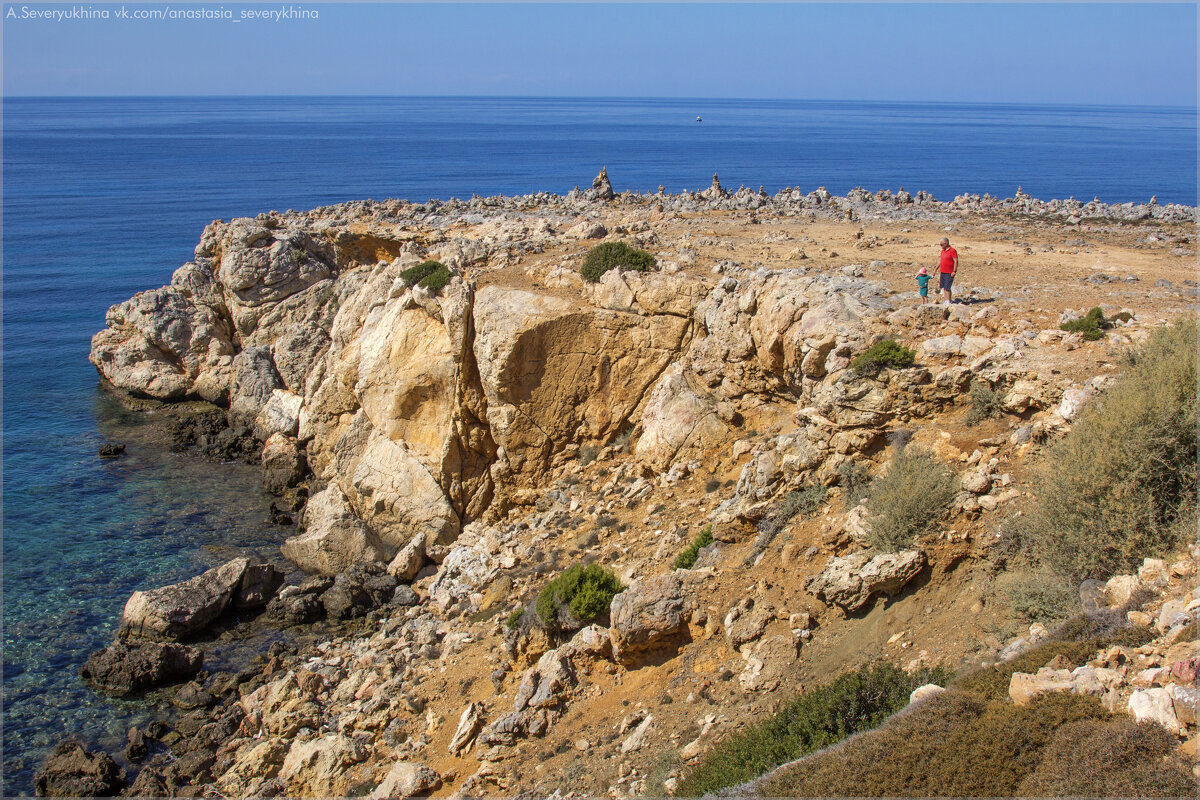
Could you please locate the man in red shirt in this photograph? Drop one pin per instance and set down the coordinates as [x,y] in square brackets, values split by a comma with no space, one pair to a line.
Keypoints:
[947,269]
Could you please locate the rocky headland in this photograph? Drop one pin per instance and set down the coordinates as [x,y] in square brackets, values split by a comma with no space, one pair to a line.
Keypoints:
[449,449]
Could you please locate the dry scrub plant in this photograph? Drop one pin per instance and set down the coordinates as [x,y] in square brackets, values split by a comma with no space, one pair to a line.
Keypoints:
[1122,484]
[909,499]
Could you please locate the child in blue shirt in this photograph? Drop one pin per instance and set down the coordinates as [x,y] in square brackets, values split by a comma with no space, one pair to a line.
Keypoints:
[923,284]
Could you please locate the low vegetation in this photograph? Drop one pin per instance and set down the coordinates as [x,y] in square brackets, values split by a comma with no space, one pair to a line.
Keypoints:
[908,499]
[985,404]
[856,701]
[578,596]
[1121,485]
[883,354]
[802,501]
[430,275]
[614,255]
[687,559]
[1091,325]
[1037,595]
[972,741]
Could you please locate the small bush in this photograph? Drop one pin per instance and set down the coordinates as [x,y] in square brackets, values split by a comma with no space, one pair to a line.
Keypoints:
[1121,485]
[985,404]
[587,454]
[803,501]
[414,275]
[886,353]
[578,596]
[1091,325]
[1038,596]
[854,702]
[1111,758]
[855,480]
[614,255]
[687,559]
[711,485]
[514,619]
[436,280]
[909,499]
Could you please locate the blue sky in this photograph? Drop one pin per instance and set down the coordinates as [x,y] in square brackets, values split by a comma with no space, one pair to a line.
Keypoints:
[1132,54]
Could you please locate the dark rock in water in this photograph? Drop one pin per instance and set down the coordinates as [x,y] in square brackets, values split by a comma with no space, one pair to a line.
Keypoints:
[128,667]
[148,783]
[207,432]
[296,605]
[136,746]
[72,771]
[278,517]
[192,696]
[259,584]
[111,450]
[358,590]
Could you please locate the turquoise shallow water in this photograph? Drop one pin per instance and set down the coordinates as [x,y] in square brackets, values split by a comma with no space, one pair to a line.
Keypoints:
[106,197]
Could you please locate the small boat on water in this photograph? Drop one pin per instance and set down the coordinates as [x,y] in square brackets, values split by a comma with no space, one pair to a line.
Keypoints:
[698,118]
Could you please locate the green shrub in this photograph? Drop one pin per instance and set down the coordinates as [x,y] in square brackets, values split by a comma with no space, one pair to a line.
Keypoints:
[853,702]
[1121,485]
[951,745]
[908,499]
[514,618]
[1038,595]
[687,559]
[578,596]
[1111,758]
[886,353]
[430,275]
[614,255]
[414,275]
[985,404]
[1091,325]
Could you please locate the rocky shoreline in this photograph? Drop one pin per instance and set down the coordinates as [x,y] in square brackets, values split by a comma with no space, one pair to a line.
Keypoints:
[442,450]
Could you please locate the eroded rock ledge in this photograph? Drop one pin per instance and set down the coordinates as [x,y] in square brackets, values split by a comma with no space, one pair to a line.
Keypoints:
[411,414]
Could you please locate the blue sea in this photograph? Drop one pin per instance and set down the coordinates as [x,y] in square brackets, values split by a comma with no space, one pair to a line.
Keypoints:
[106,197]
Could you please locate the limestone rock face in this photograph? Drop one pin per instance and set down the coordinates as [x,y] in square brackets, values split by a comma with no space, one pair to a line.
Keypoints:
[766,333]
[554,373]
[160,344]
[334,539]
[183,609]
[648,615]
[851,581]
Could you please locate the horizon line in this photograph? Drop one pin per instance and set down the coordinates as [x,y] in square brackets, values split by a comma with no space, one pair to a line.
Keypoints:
[288,96]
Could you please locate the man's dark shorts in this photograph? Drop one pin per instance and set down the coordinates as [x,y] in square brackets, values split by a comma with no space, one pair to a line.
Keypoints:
[947,278]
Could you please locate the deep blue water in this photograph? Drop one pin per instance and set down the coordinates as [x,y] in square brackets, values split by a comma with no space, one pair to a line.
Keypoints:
[106,197]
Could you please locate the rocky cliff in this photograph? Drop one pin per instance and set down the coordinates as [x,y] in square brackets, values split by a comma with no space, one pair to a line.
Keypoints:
[480,438]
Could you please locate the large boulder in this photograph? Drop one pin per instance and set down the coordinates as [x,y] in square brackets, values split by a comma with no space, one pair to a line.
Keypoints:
[283,463]
[182,610]
[163,345]
[334,539]
[315,767]
[407,779]
[72,771]
[130,666]
[649,615]
[851,581]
